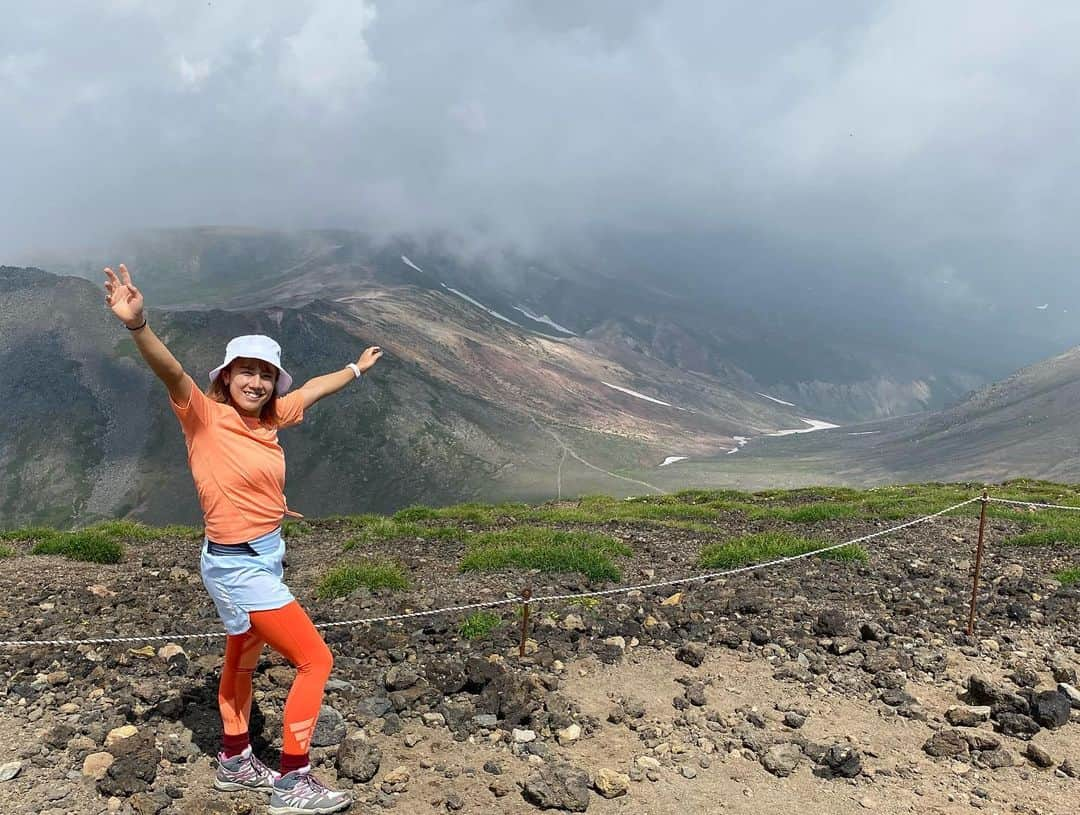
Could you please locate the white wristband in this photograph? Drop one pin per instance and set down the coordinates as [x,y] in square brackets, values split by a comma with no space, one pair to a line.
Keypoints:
[355,369]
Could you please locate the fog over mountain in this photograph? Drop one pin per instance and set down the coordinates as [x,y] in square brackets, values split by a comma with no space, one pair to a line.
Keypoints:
[897,156]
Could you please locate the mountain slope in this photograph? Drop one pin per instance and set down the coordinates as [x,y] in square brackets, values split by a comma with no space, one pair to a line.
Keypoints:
[842,355]
[459,408]
[1026,425]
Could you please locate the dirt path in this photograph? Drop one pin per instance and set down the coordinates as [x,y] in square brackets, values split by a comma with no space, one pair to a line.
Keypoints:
[567,449]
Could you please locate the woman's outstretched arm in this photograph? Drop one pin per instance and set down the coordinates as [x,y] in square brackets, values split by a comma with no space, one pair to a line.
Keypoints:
[126,302]
[315,389]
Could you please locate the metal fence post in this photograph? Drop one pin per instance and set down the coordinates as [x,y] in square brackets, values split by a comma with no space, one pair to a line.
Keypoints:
[978,563]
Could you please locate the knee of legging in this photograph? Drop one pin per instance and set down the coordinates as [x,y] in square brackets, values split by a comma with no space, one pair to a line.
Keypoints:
[319,663]
[326,660]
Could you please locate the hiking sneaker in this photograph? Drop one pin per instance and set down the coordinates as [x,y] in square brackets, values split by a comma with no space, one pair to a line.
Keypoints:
[301,793]
[244,772]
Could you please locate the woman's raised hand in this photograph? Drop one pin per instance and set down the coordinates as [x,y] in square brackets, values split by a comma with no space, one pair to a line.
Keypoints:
[123,298]
[368,358]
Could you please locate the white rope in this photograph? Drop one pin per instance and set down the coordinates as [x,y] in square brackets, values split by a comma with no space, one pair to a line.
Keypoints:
[1031,504]
[447,610]
[175,637]
[516,599]
[753,566]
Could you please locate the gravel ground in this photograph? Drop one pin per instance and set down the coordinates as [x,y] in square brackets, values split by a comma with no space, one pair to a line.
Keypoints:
[819,681]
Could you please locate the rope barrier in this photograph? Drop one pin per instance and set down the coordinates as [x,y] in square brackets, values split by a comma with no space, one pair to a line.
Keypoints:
[215,635]
[516,598]
[754,566]
[1031,504]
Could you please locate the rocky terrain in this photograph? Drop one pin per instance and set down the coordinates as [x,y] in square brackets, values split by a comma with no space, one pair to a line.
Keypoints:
[834,686]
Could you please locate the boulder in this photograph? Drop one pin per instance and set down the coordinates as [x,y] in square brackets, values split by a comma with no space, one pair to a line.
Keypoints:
[1017,725]
[692,653]
[843,760]
[832,622]
[1038,756]
[329,729]
[610,783]
[559,786]
[782,759]
[134,767]
[400,677]
[967,716]
[946,744]
[358,759]
[1051,709]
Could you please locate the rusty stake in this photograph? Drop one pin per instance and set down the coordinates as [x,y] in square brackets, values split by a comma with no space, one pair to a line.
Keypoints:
[526,594]
[978,563]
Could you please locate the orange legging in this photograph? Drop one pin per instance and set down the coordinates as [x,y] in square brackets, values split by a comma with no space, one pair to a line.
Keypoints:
[290,632]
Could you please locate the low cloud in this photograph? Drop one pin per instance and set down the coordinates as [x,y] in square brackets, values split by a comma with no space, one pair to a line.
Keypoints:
[898,136]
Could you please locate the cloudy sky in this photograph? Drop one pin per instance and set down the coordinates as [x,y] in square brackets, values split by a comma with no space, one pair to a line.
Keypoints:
[937,140]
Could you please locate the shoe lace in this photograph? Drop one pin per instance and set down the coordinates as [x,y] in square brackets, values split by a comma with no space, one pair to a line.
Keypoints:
[313,784]
[259,767]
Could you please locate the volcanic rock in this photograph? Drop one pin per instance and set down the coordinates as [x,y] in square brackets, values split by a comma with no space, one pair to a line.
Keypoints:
[559,786]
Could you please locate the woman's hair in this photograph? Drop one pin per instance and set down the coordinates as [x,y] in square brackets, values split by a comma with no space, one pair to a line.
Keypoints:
[219,392]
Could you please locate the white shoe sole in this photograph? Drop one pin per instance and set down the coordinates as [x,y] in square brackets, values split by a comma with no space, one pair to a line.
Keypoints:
[231,786]
[287,810]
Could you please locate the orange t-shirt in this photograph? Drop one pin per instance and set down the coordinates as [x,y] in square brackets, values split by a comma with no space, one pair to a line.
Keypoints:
[237,464]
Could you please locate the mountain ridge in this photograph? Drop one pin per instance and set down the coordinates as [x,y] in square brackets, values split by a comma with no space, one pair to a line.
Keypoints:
[632,293]
[452,413]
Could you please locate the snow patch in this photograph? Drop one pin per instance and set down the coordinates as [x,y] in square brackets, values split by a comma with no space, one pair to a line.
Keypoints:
[413,265]
[778,401]
[740,442]
[641,396]
[815,424]
[478,304]
[545,319]
[672,460]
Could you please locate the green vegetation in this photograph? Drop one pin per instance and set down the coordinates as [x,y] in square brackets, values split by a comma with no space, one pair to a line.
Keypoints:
[125,530]
[467,513]
[517,535]
[373,528]
[95,544]
[694,510]
[370,573]
[1068,577]
[479,624]
[86,544]
[293,530]
[180,531]
[586,603]
[765,546]
[30,534]
[1045,527]
[1061,535]
[549,550]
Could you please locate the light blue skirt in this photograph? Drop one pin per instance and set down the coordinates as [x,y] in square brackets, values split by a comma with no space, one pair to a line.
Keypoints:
[246,582]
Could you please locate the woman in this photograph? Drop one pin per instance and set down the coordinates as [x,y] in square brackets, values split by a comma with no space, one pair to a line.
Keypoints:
[239,473]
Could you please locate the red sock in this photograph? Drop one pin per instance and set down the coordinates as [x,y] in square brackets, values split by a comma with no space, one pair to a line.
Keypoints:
[234,745]
[290,762]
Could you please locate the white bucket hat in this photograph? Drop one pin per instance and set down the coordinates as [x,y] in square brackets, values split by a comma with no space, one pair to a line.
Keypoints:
[256,346]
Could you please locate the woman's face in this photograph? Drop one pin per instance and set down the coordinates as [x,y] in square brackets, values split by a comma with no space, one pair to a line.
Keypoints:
[251,384]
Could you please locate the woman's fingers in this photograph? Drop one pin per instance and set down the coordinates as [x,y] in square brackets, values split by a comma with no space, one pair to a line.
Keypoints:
[119,288]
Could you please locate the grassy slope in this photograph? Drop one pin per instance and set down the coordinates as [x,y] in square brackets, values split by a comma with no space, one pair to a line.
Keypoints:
[524,536]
